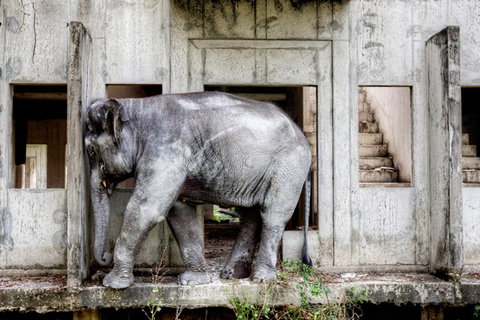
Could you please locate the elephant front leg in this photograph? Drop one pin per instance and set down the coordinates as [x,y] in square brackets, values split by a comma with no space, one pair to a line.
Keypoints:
[135,230]
[147,207]
[239,263]
[182,219]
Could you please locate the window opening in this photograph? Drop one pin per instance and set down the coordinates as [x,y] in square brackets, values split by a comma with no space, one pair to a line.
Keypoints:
[121,91]
[300,103]
[384,125]
[470,136]
[40,136]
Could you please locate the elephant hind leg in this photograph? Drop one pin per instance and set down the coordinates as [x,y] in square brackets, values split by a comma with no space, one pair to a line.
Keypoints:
[182,219]
[274,220]
[239,263]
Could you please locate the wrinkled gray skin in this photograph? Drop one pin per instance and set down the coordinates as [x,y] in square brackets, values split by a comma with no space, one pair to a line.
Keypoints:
[189,149]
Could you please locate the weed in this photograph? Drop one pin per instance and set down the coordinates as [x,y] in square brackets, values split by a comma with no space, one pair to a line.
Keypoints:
[311,284]
[476,313]
[154,303]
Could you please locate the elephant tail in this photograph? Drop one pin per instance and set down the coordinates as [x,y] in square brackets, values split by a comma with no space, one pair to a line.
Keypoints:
[307,191]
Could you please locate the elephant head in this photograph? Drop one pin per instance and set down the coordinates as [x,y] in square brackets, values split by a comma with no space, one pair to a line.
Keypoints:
[107,144]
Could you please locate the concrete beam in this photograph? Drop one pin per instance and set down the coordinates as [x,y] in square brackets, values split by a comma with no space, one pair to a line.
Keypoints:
[52,294]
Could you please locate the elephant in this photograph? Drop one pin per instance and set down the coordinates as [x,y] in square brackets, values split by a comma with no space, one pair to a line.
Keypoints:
[189,149]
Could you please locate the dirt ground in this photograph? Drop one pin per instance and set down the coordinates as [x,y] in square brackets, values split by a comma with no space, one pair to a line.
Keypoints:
[219,240]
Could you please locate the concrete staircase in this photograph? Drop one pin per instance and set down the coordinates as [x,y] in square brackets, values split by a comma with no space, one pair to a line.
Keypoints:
[470,161]
[376,166]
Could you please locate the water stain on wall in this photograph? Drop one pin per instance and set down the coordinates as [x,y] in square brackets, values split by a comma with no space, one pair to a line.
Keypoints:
[62,71]
[6,240]
[59,238]
[13,25]
[13,67]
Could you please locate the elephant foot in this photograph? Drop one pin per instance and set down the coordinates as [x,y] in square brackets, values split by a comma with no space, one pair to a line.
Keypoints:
[118,280]
[239,271]
[263,275]
[194,278]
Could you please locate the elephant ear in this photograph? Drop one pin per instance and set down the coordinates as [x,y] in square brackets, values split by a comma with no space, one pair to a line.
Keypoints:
[114,119]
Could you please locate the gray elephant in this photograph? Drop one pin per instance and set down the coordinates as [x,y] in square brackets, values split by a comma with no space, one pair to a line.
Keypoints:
[189,149]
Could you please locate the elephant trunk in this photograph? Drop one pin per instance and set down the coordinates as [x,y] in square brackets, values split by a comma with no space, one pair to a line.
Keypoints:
[101,210]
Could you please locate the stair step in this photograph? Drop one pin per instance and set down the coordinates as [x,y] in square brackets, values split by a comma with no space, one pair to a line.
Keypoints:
[366,116]
[379,150]
[371,163]
[470,163]
[367,127]
[471,176]
[469,150]
[370,138]
[364,106]
[362,95]
[378,175]
[465,138]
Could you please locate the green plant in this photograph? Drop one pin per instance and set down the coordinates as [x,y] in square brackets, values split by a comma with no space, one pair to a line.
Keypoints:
[220,214]
[476,313]
[311,284]
[154,300]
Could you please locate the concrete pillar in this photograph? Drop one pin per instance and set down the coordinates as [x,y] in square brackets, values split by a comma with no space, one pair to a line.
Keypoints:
[432,313]
[77,198]
[445,152]
[207,211]
[88,315]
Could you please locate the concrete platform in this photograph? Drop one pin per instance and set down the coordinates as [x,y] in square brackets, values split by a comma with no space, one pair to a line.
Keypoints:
[52,294]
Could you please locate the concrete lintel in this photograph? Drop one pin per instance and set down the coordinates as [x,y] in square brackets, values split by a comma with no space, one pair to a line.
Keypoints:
[261,44]
[50,295]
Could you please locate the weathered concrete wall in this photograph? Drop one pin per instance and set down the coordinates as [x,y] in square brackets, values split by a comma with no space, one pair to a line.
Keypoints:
[35,230]
[471,225]
[335,46]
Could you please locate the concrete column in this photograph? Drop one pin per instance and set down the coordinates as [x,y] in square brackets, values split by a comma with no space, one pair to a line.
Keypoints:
[445,152]
[90,315]
[207,211]
[432,313]
[77,198]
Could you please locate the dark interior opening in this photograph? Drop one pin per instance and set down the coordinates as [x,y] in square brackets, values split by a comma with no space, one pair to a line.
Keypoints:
[40,135]
[471,114]
[470,136]
[122,91]
[300,104]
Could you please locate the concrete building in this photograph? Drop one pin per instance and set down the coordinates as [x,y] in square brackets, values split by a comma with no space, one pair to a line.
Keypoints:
[386,92]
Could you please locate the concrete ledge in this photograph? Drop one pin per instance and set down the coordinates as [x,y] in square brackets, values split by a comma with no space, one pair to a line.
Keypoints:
[52,294]
[470,288]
